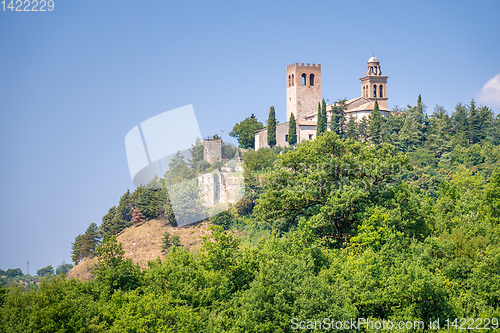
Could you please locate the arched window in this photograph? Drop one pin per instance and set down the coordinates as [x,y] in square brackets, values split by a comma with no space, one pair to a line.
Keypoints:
[293,80]
[289,81]
[311,80]
[371,70]
[304,77]
[380,88]
[374,90]
[364,91]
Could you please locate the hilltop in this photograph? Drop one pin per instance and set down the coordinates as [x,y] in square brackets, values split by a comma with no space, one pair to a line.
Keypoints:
[143,243]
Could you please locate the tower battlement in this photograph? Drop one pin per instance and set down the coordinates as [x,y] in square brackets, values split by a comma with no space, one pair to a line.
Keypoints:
[302,65]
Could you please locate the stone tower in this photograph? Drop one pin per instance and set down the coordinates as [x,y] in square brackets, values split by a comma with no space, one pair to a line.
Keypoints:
[374,85]
[303,90]
[212,150]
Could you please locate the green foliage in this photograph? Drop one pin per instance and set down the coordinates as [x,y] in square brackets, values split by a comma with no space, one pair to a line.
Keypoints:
[196,162]
[13,272]
[376,123]
[152,198]
[85,245]
[292,130]
[166,242]
[63,268]
[244,131]
[123,214]
[271,128]
[176,240]
[112,270]
[45,271]
[338,120]
[492,196]
[330,181]
[321,125]
[223,219]
[259,160]
[342,229]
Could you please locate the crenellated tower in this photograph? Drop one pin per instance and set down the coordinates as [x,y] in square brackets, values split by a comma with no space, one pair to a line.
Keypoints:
[303,90]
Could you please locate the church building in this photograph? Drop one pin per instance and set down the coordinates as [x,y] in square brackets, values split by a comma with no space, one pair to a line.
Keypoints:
[303,93]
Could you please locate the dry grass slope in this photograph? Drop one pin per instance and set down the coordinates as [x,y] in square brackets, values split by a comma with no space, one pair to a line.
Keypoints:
[143,243]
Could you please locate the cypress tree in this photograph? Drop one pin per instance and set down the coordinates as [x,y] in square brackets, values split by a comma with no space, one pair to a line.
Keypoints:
[475,127]
[323,115]
[292,130]
[338,117]
[375,126]
[271,128]
[419,110]
[321,124]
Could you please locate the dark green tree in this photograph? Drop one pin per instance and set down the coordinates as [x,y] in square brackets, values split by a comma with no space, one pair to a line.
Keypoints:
[321,124]
[90,240]
[376,122]
[338,118]
[474,130]
[460,123]
[244,132]
[76,252]
[152,198]
[419,111]
[123,214]
[45,271]
[292,130]
[271,128]
[63,268]
[352,129]
[13,272]
[166,242]
[439,132]
[108,228]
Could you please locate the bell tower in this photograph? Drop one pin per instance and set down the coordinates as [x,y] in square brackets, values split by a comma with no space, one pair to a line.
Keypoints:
[374,85]
[303,92]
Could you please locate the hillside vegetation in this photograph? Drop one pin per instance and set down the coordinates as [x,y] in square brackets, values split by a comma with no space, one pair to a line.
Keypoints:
[143,243]
[391,220]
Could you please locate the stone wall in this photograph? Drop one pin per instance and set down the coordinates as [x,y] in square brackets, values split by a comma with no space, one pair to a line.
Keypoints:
[281,136]
[224,186]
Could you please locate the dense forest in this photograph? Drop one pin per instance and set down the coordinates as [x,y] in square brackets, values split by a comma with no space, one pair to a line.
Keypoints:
[388,220]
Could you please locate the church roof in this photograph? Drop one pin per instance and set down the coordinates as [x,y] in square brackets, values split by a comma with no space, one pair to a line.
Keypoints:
[373,59]
[366,106]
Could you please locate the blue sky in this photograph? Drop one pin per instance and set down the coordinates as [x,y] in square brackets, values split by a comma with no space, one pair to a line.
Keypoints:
[74,81]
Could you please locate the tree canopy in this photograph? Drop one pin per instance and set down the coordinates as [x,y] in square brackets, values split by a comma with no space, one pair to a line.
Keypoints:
[244,131]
